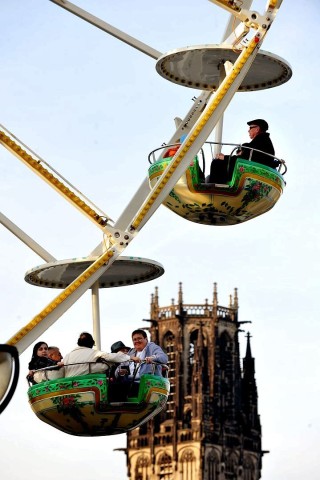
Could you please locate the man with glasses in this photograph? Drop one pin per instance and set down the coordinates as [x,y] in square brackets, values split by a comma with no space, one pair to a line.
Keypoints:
[148,352]
[221,171]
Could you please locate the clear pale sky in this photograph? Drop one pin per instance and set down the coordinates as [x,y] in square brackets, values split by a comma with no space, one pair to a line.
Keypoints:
[94,108]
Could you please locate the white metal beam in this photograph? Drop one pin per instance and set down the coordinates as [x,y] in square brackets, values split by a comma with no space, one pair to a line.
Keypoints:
[60,304]
[106,27]
[46,256]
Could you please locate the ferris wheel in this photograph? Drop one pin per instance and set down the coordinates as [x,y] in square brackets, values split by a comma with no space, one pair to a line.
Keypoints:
[176,179]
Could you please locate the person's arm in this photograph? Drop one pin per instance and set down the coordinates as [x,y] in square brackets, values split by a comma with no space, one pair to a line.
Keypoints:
[156,354]
[119,357]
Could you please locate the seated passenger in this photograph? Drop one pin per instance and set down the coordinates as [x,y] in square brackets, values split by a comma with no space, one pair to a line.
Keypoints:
[174,148]
[55,354]
[115,348]
[171,151]
[147,352]
[118,378]
[40,360]
[222,166]
[82,359]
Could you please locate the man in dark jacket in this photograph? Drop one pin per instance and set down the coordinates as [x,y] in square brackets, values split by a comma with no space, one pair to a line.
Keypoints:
[221,171]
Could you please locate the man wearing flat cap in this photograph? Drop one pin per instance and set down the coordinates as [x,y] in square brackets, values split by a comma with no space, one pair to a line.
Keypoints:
[221,172]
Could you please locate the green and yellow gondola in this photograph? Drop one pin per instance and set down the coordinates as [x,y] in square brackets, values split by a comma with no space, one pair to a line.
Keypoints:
[253,190]
[81,405]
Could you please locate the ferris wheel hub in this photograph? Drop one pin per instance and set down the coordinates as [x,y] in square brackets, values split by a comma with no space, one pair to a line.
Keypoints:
[123,272]
[200,67]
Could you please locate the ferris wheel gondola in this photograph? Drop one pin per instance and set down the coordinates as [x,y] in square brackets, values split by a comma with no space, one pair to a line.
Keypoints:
[253,190]
[89,405]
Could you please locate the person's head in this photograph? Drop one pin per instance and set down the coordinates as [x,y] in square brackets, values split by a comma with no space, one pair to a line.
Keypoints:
[119,347]
[55,354]
[139,339]
[40,349]
[86,340]
[256,127]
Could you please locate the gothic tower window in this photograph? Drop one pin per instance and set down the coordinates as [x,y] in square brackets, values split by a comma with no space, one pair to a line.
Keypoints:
[248,469]
[187,419]
[227,384]
[141,470]
[193,342]
[231,467]
[169,347]
[213,466]
[192,345]
[165,467]
[188,465]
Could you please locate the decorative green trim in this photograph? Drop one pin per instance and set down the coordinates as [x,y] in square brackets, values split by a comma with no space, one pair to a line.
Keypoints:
[245,166]
[96,380]
[159,166]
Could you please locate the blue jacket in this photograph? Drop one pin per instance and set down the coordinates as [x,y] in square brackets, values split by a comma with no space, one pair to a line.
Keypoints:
[152,350]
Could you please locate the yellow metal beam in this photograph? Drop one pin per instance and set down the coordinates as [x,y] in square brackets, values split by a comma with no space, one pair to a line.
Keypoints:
[102,261]
[36,166]
[231,5]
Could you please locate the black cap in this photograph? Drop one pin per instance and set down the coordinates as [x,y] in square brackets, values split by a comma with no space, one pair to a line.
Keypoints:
[260,123]
[115,347]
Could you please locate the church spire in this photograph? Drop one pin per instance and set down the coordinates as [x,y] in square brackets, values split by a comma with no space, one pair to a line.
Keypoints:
[154,304]
[249,390]
[248,351]
[236,302]
[156,297]
[180,295]
[215,295]
[152,307]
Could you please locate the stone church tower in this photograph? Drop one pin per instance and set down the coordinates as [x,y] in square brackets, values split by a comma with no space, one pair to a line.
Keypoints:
[210,429]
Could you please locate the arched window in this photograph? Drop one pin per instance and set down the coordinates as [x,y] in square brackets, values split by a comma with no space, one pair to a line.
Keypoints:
[141,470]
[187,419]
[193,341]
[188,462]
[192,345]
[248,469]
[212,466]
[227,369]
[231,466]
[165,467]
[170,348]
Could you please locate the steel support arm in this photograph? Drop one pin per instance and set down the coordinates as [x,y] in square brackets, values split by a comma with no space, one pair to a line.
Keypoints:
[106,27]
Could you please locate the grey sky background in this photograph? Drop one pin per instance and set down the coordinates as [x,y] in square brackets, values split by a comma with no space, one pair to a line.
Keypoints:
[94,108]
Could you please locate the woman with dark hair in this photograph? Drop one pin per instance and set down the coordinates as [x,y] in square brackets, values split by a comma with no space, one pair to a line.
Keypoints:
[39,360]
